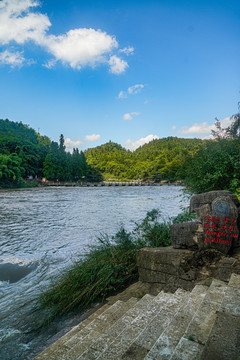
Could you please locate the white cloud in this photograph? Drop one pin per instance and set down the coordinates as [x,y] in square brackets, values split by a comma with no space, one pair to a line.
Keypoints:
[92,137]
[203,128]
[135,89]
[129,116]
[132,90]
[197,128]
[50,64]
[117,65]
[70,144]
[127,50]
[122,95]
[133,145]
[226,122]
[81,47]
[174,127]
[13,59]
[20,23]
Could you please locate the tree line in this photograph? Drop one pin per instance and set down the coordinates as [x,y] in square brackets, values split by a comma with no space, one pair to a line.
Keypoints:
[24,154]
[203,165]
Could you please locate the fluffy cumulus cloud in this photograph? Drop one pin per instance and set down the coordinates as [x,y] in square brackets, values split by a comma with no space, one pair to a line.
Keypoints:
[13,59]
[129,116]
[70,144]
[92,137]
[202,128]
[21,23]
[133,145]
[117,65]
[81,47]
[132,90]
[197,128]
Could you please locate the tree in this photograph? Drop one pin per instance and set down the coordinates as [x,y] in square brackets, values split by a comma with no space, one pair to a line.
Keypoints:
[230,132]
[10,169]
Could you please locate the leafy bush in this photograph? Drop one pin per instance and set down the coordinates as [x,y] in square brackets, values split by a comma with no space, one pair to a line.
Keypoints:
[183,217]
[151,232]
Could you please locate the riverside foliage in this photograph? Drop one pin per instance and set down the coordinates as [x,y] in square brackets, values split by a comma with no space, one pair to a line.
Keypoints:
[25,153]
[108,266]
[203,165]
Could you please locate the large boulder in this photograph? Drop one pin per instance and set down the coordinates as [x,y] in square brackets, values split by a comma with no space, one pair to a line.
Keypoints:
[217,213]
[217,226]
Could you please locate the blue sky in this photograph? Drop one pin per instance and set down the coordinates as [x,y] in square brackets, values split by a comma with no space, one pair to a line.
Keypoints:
[126,71]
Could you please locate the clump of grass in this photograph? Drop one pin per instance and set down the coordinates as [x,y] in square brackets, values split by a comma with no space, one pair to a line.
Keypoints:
[106,268]
[109,266]
[184,216]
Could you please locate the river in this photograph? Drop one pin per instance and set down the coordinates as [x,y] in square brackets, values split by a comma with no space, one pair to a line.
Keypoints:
[44,230]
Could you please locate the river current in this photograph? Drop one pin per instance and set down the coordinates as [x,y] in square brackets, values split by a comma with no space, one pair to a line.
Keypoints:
[44,230]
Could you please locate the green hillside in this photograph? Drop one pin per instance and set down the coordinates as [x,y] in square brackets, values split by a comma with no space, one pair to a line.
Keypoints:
[158,160]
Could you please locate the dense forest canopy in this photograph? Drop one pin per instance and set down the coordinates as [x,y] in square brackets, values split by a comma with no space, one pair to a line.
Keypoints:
[203,165]
[24,153]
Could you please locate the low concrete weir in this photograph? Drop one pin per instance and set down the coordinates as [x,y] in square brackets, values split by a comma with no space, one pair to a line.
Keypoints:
[106,183]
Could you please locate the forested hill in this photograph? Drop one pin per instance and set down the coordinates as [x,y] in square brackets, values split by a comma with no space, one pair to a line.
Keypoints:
[158,160]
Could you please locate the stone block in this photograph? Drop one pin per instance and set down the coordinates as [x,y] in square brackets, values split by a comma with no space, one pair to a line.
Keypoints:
[183,235]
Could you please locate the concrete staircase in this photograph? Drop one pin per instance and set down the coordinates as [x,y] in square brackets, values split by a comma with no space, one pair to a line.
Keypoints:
[201,324]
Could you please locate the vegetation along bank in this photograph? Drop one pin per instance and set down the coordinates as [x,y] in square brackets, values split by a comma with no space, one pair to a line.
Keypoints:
[202,165]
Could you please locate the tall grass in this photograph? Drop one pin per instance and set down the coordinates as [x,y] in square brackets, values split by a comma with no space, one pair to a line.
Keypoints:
[109,266]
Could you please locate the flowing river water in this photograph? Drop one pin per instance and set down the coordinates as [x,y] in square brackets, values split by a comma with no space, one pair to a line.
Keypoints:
[44,230]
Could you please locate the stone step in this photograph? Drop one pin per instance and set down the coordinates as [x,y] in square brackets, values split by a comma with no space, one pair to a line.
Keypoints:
[137,325]
[89,331]
[234,281]
[82,340]
[224,339]
[195,337]
[165,346]
[103,342]
[46,353]
[168,307]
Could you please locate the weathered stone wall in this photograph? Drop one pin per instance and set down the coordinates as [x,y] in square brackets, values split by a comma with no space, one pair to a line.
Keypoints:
[168,268]
[199,248]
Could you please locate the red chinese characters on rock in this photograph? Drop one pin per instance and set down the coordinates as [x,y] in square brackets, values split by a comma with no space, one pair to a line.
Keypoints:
[220,230]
